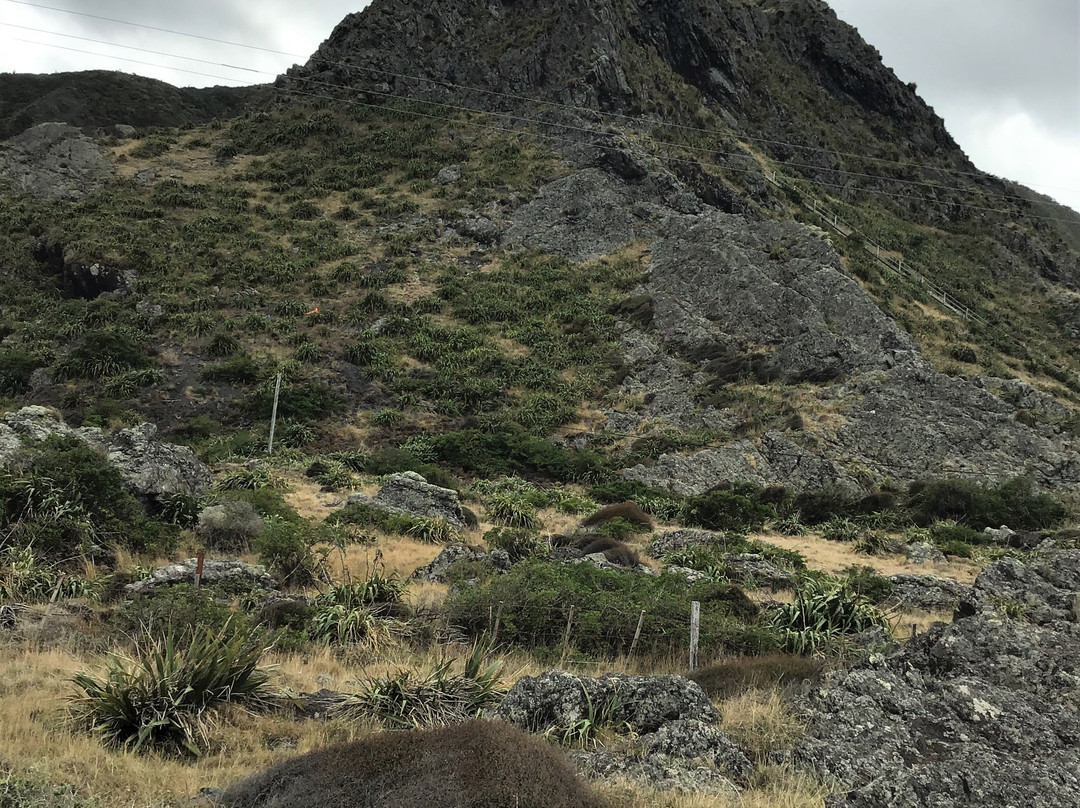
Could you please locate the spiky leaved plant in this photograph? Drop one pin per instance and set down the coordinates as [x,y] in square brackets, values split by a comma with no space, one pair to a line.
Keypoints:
[164,695]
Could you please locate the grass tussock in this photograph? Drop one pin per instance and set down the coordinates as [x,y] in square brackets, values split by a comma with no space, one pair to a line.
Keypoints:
[479,763]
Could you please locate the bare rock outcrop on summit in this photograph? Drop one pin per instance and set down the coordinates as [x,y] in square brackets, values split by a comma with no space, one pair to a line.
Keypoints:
[54,161]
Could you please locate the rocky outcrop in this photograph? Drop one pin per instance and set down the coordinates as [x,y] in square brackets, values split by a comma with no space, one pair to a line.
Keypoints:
[978,713]
[927,592]
[152,470]
[677,744]
[682,539]
[228,576]
[436,569]
[54,161]
[409,493]
[641,704]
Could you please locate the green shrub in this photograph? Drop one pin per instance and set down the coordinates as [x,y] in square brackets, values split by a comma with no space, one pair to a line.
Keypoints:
[537,597]
[822,613]
[494,454]
[16,368]
[433,530]
[285,549]
[841,528]
[619,528]
[162,699]
[513,511]
[104,353]
[406,700]
[180,609]
[364,514]
[1014,503]
[726,510]
[229,526]
[818,507]
[518,543]
[948,531]
[959,549]
[865,581]
[64,496]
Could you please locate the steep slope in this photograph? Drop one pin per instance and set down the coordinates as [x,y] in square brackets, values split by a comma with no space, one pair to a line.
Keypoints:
[94,99]
[687,310]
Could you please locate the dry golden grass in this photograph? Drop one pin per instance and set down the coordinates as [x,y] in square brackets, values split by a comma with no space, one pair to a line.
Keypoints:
[769,787]
[760,721]
[36,738]
[835,557]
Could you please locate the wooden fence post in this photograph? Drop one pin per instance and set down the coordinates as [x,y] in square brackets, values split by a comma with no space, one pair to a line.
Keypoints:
[637,636]
[199,559]
[498,619]
[566,636]
[695,628]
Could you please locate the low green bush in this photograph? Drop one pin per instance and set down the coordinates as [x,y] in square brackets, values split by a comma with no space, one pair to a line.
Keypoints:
[407,700]
[736,510]
[518,543]
[494,454]
[16,368]
[1014,503]
[536,598]
[818,507]
[180,609]
[865,581]
[824,612]
[285,549]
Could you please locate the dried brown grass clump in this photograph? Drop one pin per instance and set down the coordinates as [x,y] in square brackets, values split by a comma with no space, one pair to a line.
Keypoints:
[629,511]
[735,675]
[479,764]
[615,551]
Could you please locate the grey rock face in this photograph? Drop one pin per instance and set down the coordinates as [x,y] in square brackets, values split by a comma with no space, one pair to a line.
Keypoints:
[448,175]
[409,493]
[751,569]
[927,592]
[150,469]
[714,282]
[1043,590]
[678,745]
[975,714]
[480,229]
[922,552]
[54,161]
[656,771]
[640,703]
[230,575]
[436,569]
[155,470]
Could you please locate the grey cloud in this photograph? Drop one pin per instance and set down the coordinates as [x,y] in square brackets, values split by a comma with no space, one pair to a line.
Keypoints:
[975,54]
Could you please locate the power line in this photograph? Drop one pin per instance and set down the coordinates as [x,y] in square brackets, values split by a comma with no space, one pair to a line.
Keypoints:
[559,105]
[151,28]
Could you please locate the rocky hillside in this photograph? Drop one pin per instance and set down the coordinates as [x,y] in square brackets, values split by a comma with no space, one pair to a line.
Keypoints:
[95,99]
[631,258]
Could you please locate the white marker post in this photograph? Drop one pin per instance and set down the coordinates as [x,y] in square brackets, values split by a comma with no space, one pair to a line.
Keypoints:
[273,415]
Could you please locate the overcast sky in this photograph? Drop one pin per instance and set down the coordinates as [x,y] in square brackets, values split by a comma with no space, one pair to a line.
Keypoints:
[1004,74]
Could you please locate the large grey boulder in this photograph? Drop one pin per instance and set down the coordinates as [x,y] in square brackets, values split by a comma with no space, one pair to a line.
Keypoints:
[436,569]
[927,592]
[54,161]
[1044,590]
[152,470]
[978,713]
[409,493]
[682,539]
[232,576]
